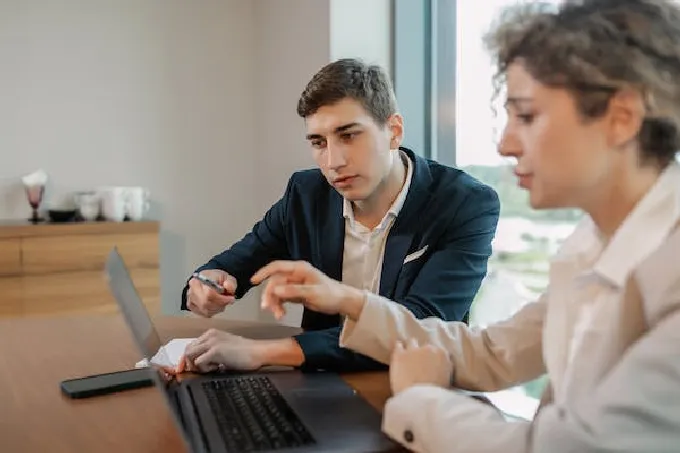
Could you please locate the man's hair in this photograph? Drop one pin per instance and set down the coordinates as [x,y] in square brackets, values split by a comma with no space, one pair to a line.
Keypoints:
[595,48]
[354,79]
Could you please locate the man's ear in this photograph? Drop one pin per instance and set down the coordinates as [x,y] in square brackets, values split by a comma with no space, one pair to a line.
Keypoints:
[395,126]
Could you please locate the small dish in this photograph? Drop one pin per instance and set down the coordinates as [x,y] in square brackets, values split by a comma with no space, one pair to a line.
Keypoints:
[61,215]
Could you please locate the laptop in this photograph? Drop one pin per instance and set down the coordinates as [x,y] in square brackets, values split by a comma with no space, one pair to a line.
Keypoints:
[276,411]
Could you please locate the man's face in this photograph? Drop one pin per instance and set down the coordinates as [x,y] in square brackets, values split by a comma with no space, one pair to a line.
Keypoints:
[354,153]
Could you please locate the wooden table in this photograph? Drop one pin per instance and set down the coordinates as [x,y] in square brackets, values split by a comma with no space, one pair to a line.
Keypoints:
[36,354]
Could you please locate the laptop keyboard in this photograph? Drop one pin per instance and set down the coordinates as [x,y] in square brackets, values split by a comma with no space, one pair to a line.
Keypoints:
[253,416]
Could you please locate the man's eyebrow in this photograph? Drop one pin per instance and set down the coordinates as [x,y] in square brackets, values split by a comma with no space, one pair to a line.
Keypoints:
[337,130]
[344,127]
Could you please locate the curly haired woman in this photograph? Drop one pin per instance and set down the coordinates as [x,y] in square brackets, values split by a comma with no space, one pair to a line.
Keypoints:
[593,100]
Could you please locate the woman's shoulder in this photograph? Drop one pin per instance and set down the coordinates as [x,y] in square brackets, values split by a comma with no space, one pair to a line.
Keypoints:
[657,278]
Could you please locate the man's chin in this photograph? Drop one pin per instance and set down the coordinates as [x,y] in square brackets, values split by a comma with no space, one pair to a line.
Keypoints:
[352,194]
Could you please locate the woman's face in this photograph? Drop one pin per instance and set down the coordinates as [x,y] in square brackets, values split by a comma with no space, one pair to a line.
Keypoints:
[562,160]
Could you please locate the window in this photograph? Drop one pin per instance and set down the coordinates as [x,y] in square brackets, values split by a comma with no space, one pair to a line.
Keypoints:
[525,238]
[455,89]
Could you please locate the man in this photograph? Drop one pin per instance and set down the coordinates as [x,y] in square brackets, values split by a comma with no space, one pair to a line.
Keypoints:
[374,216]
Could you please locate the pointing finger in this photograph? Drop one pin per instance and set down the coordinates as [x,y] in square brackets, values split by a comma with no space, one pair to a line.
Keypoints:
[294,293]
[268,299]
[273,268]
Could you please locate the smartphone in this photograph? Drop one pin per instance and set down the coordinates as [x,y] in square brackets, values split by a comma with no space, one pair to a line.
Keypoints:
[206,281]
[102,384]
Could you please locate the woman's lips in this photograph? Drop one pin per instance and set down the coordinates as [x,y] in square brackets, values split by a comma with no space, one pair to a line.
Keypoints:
[524,180]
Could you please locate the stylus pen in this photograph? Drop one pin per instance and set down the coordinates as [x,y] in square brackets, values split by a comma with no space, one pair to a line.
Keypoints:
[206,281]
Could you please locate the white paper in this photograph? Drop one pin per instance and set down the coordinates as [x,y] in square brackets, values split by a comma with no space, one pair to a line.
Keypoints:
[168,355]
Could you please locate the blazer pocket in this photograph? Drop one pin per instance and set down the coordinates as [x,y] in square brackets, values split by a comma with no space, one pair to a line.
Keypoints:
[415,255]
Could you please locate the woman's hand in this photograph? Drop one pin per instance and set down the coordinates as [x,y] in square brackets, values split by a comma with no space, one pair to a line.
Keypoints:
[412,365]
[299,282]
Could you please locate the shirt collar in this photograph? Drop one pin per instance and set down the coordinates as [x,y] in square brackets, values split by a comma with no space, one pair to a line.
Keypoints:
[641,233]
[397,204]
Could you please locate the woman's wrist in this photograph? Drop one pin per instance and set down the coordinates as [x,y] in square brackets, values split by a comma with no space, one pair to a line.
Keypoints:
[353,303]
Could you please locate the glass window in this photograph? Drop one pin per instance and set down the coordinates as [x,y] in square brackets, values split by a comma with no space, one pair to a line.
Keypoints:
[525,238]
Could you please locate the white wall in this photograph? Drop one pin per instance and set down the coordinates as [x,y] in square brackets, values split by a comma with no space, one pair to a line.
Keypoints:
[292,44]
[129,92]
[195,100]
[362,28]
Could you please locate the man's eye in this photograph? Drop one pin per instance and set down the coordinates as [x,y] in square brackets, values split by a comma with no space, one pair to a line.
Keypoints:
[347,136]
[318,144]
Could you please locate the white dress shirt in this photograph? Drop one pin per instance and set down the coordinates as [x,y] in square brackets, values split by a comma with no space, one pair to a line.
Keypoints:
[364,248]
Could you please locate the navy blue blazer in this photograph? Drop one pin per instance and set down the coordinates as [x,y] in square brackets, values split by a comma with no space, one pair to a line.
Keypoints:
[446,209]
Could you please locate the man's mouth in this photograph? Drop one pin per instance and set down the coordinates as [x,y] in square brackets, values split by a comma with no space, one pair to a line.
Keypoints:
[344,181]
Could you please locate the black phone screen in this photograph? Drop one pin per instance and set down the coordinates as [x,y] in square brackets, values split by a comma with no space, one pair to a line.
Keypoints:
[101,384]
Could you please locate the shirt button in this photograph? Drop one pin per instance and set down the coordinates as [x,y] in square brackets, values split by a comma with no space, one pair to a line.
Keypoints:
[408,436]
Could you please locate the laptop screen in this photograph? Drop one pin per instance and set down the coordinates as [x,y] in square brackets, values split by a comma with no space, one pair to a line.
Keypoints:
[131,305]
[147,339]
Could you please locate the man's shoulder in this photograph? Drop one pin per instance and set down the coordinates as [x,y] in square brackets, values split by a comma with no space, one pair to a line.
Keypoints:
[450,181]
[308,183]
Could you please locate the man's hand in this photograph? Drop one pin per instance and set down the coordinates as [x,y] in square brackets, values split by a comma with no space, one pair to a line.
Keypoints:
[205,301]
[411,365]
[299,282]
[216,349]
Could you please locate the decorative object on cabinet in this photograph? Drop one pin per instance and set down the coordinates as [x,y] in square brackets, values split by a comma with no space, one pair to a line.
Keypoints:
[34,185]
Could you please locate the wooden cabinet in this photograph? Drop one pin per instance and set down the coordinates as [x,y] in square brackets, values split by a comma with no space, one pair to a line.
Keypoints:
[59,268]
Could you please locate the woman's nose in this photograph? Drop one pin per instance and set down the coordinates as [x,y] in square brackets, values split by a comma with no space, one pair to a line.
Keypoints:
[509,145]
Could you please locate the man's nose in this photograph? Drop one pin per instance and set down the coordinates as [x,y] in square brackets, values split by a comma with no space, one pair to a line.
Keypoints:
[336,157]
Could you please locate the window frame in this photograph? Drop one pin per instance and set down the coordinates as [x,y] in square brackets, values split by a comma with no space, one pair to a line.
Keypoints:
[424,75]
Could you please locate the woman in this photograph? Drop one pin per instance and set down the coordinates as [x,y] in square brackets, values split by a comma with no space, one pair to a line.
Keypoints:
[593,100]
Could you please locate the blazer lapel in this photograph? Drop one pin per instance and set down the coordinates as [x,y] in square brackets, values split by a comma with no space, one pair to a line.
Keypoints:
[330,236]
[401,235]
[396,248]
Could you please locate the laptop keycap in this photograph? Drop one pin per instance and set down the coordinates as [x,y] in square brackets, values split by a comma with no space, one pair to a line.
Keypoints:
[253,416]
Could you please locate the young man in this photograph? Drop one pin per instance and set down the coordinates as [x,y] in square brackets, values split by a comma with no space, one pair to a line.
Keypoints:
[374,216]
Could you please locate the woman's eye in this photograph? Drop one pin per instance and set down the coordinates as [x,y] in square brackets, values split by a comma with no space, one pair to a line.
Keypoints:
[526,118]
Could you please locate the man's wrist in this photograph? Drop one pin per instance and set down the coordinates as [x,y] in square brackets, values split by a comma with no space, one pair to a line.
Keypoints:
[280,352]
[353,303]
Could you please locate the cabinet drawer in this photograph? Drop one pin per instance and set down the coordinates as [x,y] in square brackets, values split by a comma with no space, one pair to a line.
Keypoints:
[87,252]
[10,256]
[11,303]
[86,291]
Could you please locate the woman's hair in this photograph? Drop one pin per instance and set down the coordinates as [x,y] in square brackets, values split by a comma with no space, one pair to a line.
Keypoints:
[594,48]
